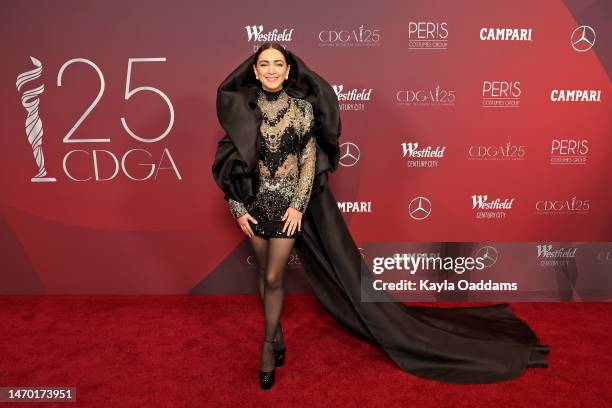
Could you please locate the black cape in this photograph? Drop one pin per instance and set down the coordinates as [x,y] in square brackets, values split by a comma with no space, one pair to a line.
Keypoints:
[456,345]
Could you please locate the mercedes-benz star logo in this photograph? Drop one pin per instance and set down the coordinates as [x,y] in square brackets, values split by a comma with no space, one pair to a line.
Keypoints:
[349,154]
[419,208]
[582,38]
[489,254]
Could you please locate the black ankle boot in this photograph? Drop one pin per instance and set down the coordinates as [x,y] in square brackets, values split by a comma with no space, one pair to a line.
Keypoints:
[279,355]
[266,378]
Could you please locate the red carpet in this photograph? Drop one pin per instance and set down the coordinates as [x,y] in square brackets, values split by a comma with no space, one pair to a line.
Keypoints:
[193,351]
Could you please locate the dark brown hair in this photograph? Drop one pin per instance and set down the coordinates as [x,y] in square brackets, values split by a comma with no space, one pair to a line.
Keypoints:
[274,45]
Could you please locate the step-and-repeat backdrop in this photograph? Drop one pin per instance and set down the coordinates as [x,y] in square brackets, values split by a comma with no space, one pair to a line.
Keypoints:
[470,129]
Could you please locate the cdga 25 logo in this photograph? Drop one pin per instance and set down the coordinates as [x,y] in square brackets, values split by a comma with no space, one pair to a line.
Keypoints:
[126,162]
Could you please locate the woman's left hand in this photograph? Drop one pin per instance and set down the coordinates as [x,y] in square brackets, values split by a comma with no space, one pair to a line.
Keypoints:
[293,221]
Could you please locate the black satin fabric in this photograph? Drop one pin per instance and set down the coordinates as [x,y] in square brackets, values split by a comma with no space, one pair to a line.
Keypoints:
[465,345]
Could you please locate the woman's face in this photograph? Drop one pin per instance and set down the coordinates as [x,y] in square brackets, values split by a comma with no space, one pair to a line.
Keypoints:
[271,69]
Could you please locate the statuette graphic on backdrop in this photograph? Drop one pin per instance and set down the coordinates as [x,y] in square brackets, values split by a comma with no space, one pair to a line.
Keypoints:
[33,123]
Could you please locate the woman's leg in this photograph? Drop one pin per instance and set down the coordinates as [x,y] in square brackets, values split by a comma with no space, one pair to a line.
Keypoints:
[260,247]
[278,254]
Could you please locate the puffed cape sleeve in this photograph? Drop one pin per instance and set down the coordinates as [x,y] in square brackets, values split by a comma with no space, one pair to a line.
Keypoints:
[232,174]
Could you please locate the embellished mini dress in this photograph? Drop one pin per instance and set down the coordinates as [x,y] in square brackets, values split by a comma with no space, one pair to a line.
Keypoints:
[286,164]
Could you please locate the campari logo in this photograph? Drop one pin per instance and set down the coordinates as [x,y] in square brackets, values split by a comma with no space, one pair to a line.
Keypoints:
[506,34]
[149,157]
[355,206]
[491,209]
[508,151]
[573,205]
[569,151]
[352,99]
[427,35]
[501,94]
[358,37]
[437,96]
[550,256]
[575,95]
[423,157]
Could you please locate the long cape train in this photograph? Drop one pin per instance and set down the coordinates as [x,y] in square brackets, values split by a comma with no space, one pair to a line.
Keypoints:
[464,345]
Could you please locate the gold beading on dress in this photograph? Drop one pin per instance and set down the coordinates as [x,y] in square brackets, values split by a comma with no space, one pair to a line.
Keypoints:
[286,165]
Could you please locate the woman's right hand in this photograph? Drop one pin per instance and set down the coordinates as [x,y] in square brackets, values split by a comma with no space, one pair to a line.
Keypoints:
[243,223]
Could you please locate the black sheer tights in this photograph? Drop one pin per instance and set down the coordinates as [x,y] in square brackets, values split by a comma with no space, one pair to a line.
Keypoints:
[271,255]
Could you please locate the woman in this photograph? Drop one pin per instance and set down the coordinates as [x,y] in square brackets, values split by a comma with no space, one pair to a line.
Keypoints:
[297,140]
[286,172]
